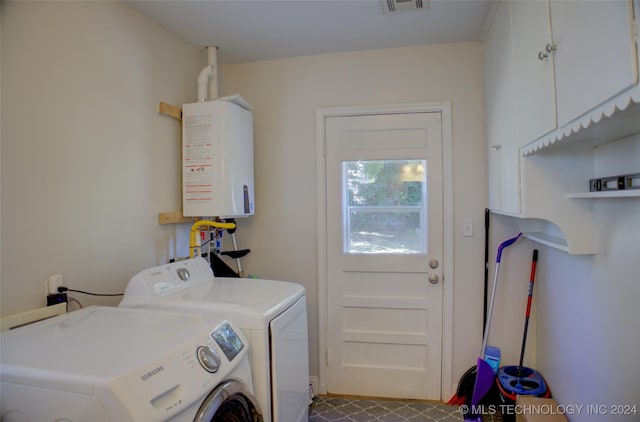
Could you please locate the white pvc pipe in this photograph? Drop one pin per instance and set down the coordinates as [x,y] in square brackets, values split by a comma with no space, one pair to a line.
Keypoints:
[203,84]
[209,91]
[212,56]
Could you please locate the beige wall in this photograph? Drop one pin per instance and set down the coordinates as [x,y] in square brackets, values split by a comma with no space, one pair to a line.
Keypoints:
[87,163]
[286,93]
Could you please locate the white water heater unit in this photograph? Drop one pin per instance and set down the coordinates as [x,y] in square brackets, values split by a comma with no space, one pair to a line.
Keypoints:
[217,159]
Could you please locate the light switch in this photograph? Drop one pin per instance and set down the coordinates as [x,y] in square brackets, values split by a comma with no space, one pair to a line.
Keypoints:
[467,227]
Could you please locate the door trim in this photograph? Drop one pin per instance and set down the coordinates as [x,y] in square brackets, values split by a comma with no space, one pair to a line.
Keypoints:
[444,107]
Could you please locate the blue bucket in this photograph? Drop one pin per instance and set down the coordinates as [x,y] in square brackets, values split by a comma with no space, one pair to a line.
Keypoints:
[529,383]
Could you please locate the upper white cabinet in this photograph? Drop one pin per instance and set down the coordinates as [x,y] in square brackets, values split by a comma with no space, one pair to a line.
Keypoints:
[533,65]
[557,71]
[594,53]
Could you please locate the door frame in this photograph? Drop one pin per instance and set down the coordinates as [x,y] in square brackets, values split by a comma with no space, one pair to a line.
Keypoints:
[443,107]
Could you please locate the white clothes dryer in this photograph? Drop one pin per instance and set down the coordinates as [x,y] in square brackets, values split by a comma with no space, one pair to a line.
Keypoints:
[272,314]
[114,364]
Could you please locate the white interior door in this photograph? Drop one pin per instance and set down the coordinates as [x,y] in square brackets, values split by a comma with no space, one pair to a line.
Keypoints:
[384,238]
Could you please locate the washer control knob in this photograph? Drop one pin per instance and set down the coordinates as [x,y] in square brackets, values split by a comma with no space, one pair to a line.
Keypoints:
[208,358]
[183,273]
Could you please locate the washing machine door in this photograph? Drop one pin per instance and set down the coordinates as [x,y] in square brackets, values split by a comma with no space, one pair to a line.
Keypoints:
[229,402]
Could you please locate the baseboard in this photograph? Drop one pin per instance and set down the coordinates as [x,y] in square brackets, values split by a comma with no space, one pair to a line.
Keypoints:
[316,388]
[313,387]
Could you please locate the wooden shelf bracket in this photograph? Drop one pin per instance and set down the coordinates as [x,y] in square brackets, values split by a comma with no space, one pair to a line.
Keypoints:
[170,110]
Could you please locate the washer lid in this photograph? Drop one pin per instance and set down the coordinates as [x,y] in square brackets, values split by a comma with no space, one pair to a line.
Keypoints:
[74,351]
[248,302]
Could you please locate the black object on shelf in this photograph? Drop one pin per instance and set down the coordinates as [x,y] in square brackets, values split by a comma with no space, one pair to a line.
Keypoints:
[613,183]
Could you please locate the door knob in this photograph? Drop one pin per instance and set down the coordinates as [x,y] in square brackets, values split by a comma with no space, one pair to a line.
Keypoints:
[434,279]
[434,263]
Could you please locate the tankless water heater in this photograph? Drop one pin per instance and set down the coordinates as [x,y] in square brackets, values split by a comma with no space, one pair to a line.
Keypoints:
[217,159]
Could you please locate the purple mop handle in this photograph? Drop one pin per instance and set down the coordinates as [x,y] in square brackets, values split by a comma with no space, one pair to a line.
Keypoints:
[503,245]
[506,243]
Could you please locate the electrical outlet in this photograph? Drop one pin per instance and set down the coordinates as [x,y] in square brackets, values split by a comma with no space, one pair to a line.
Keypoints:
[53,282]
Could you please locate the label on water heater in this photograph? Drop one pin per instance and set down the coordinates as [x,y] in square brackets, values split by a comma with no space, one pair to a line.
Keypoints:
[198,172]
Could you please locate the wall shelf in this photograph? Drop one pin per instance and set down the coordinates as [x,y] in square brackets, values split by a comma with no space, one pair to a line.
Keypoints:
[546,233]
[608,194]
[551,241]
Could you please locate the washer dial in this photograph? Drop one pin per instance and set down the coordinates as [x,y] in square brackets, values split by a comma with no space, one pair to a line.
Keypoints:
[208,358]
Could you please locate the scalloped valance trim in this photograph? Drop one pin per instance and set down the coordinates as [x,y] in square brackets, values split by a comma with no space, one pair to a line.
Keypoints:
[606,110]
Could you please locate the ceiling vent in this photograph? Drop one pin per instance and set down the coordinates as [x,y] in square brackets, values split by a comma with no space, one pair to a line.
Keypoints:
[393,6]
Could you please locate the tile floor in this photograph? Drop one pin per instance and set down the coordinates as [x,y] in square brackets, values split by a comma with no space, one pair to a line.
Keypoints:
[331,409]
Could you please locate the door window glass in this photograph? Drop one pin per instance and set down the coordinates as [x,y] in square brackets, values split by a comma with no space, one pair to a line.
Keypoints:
[384,206]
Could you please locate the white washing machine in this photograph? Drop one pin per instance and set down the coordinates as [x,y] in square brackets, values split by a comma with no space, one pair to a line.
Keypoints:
[272,314]
[115,364]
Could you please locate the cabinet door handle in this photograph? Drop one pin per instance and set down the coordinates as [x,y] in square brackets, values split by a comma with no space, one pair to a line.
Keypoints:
[495,147]
[548,49]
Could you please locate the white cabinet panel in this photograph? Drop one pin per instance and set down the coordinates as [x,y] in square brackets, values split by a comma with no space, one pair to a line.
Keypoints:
[595,58]
[531,33]
[500,87]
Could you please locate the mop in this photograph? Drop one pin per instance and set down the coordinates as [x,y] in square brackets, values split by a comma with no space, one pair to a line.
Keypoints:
[520,380]
[485,373]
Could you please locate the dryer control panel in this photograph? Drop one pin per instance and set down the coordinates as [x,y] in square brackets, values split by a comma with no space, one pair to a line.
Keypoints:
[165,279]
[228,340]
